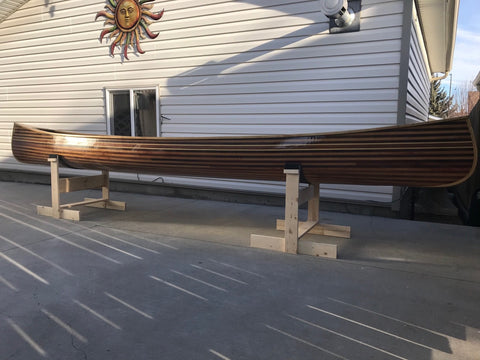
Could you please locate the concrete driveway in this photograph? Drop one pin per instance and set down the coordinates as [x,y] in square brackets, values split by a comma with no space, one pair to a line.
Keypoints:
[171,279]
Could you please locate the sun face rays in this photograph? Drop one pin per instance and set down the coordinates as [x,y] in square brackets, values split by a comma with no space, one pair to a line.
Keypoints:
[129,20]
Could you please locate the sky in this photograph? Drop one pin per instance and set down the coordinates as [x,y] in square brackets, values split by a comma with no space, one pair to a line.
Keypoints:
[466,58]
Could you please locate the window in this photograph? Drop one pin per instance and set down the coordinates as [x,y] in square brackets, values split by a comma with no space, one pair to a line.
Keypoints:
[133,112]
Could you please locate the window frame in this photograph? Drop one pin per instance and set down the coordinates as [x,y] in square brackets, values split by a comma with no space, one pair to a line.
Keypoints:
[108,92]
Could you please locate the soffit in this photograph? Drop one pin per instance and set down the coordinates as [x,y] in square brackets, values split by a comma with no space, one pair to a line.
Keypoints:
[8,7]
[438,20]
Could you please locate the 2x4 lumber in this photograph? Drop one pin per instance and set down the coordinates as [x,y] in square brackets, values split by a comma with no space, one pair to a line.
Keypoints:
[106,204]
[305,247]
[98,203]
[84,202]
[314,248]
[81,183]
[339,231]
[303,226]
[54,181]
[62,214]
[105,187]
[314,204]
[291,210]
[267,242]
[306,194]
[77,183]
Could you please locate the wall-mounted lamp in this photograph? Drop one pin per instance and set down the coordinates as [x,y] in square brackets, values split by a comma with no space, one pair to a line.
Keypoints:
[344,15]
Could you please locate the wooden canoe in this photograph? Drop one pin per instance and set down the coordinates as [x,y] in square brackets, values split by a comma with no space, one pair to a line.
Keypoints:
[432,154]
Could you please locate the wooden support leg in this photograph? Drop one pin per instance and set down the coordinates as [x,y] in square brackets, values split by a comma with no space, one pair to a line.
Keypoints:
[291,210]
[105,202]
[65,185]
[295,229]
[314,204]
[56,210]
[55,182]
[105,187]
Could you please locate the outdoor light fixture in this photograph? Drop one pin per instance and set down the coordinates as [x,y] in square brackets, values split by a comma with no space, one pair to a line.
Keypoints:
[344,15]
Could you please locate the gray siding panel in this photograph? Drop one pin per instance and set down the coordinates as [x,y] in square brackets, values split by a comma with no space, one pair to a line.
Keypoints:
[222,67]
[418,90]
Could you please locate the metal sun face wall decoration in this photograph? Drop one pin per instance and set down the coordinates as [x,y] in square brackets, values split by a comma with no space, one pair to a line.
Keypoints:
[130,21]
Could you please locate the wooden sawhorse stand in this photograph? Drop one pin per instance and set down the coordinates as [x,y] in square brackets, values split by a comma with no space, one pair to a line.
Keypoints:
[295,229]
[66,185]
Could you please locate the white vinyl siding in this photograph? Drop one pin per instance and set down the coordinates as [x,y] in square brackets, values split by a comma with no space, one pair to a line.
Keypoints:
[418,90]
[221,67]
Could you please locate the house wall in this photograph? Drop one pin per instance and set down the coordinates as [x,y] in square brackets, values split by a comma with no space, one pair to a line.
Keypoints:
[222,67]
[418,88]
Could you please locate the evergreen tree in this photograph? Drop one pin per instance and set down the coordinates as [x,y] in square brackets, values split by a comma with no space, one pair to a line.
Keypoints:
[440,102]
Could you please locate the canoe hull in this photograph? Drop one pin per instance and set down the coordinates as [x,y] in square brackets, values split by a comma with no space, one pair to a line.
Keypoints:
[434,154]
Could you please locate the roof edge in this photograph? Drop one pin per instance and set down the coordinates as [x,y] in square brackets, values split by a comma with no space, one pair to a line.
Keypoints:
[438,21]
[8,7]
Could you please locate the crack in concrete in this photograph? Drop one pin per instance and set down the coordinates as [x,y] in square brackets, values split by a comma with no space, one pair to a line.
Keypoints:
[78,348]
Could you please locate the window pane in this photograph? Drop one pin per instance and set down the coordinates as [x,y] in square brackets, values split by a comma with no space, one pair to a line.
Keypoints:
[120,113]
[145,113]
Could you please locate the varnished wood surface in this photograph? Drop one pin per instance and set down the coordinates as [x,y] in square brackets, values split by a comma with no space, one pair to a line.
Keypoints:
[437,153]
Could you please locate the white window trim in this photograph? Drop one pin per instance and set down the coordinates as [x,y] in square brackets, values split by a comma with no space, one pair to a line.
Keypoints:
[132,110]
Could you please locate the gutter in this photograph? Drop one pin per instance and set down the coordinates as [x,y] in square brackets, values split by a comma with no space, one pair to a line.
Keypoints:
[476,81]
[450,45]
[421,40]
[449,10]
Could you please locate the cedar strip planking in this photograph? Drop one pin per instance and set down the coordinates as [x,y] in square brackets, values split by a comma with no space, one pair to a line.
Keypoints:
[433,154]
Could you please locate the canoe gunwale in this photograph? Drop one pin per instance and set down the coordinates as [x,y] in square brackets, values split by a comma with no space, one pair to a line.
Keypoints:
[244,137]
